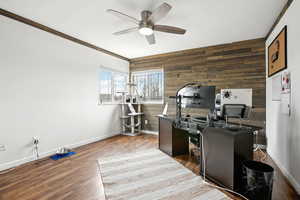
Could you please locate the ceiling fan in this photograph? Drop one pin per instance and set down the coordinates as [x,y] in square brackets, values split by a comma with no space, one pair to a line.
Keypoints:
[147,25]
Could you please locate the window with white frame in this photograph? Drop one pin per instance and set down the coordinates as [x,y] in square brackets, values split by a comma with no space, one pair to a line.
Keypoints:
[149,85]
[111,85]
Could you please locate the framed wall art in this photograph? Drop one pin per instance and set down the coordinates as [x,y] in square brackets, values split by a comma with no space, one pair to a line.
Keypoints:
[277,53]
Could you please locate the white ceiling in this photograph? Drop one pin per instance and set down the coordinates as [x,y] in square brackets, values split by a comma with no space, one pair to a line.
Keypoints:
[208,22]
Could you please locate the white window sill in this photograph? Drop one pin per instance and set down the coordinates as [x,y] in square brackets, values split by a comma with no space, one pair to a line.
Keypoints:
[107,104]
[145,103]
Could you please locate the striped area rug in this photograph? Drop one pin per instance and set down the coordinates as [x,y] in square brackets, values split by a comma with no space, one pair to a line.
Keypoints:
[152,175]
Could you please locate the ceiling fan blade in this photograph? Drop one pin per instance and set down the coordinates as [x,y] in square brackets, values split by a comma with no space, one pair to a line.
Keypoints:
[126,31]
[169,29]
[123,16]
[160,12]
[150,39]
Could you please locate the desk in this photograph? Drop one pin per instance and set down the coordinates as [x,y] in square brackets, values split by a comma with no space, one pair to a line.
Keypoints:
[225,150]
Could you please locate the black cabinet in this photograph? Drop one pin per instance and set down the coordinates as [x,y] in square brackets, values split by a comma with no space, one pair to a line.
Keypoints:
[225,151]
[172,141]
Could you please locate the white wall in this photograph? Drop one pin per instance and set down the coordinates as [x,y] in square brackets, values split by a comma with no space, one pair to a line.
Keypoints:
[283,132]
[48,89]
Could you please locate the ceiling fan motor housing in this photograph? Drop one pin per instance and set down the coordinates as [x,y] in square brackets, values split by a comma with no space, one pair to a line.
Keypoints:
[145,15]
[146,26]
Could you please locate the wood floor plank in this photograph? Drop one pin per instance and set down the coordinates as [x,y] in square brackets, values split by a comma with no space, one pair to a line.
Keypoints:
[78,177]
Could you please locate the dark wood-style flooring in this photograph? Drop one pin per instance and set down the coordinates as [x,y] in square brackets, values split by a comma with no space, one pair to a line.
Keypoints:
[78,177]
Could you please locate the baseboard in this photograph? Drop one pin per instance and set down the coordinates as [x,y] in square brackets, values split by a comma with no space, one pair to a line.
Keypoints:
[150,132]
[22,161]
[16,163]
[287,174]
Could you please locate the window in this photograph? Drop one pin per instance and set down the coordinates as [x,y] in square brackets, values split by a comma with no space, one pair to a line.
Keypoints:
[111,85]
[105,86]
[149,85]
[120,83]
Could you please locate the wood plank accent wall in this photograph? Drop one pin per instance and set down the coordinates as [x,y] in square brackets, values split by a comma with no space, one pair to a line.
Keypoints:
[234,65]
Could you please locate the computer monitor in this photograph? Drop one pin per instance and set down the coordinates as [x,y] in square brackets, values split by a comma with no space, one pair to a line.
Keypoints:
[197,96]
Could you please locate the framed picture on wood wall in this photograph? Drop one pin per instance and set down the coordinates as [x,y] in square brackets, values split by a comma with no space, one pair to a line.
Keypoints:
[277,53]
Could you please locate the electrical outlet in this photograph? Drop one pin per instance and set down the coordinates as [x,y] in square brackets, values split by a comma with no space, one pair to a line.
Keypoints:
[146,121]
[2,147]
[35,140]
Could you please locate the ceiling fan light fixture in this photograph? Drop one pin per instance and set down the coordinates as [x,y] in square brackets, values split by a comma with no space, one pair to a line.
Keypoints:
[147,25]
[146,31]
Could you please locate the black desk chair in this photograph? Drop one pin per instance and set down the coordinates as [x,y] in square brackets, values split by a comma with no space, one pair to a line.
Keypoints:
[239,111]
